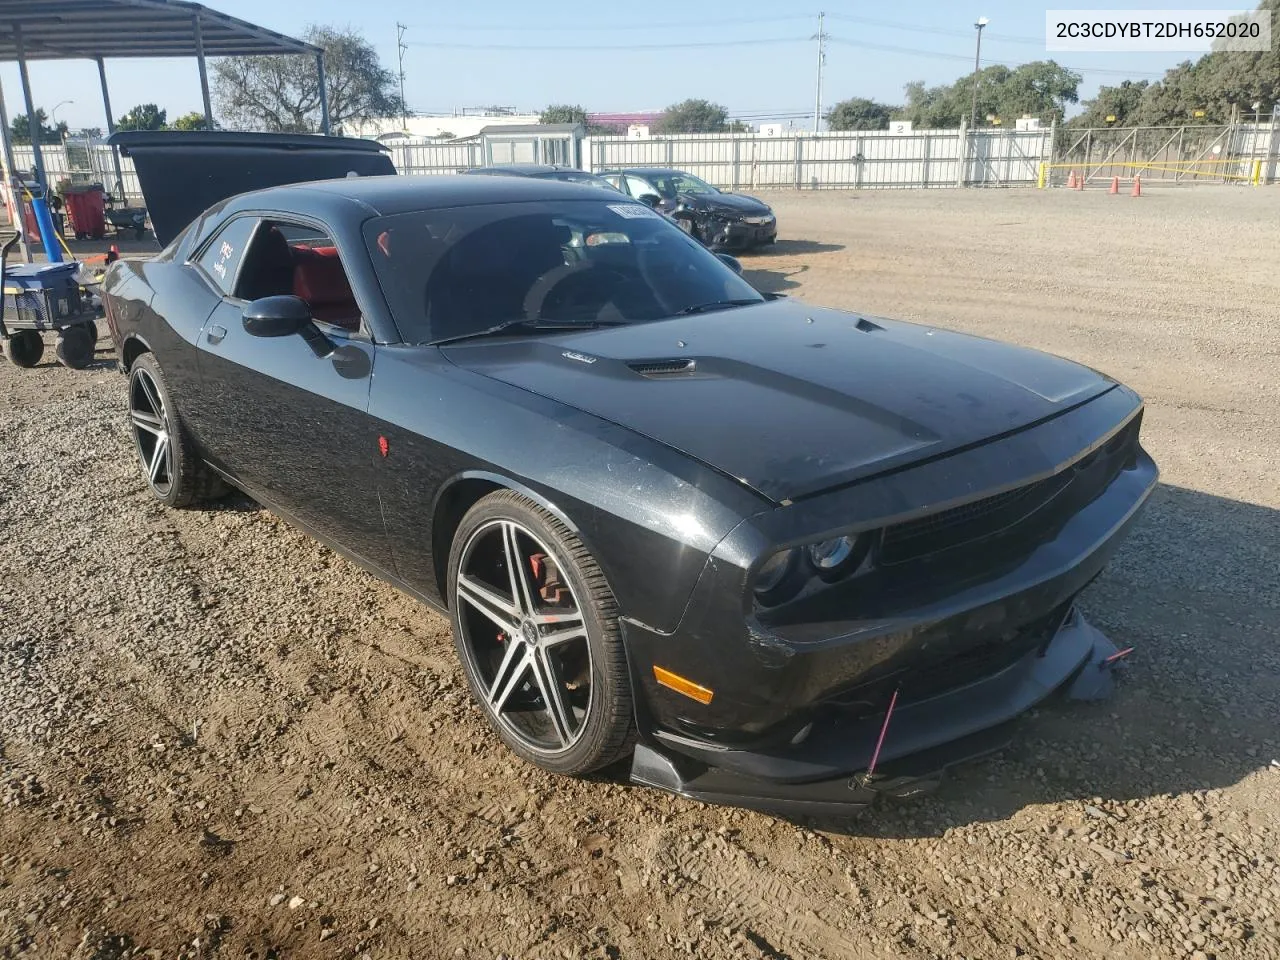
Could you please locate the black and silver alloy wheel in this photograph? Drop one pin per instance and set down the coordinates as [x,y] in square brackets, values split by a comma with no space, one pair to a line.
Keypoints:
[536,629]
[525,637]
[173,469]
[151,437]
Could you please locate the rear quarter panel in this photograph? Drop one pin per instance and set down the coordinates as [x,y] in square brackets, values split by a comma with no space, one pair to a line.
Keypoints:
[159,306]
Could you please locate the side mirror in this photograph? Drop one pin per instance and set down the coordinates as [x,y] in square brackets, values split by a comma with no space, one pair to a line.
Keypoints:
[283,316]
[731,262]
[650,200]
[276,316]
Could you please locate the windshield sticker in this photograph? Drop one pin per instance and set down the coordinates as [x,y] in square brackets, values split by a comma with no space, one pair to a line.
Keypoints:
[632,211]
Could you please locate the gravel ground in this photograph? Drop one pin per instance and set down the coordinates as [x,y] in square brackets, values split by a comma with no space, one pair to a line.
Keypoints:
[218,739]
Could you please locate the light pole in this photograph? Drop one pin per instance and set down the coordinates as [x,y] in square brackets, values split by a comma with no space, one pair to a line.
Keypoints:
[53,114]
[977,59]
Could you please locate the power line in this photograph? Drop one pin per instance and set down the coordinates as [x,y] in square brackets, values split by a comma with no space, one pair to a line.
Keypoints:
[592,47]
[939,55]
[630,27]
[940,31]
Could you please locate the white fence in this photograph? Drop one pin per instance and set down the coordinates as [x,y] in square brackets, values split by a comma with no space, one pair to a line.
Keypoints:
[862,160]
[870,159]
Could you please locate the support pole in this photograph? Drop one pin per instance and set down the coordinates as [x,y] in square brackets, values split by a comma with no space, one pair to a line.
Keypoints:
[10,175]
[111,127]
[32,124]
[204,74]
[324,94]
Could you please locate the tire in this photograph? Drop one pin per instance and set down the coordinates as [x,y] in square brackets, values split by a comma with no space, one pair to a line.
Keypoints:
[75,347]
[511,658]
[174,472]
[24,348]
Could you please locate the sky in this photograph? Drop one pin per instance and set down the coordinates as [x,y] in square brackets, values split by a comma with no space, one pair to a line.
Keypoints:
[757,57]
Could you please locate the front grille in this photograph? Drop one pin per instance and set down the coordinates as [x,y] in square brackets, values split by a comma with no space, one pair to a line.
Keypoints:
[929,679]
[1039,504]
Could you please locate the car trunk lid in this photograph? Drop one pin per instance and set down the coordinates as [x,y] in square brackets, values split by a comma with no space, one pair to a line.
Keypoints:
[182,174]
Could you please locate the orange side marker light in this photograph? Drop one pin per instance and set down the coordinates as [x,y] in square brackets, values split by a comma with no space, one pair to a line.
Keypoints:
[680,685]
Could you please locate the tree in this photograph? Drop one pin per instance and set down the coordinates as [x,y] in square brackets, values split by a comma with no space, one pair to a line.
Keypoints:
[145,116]
[563,113]
[1221,83]
[1124,103]
[1038,89]
[282,93]
[693,116]
[195,120]
[20,128]
[858,113]
[573,113]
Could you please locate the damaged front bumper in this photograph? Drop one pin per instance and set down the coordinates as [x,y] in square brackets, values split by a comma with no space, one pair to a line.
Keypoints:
[845,764]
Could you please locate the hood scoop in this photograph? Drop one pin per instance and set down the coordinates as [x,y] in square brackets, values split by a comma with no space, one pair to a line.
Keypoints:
[661,369]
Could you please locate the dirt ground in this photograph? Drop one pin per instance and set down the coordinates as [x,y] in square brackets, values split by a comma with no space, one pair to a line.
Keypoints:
[217,739]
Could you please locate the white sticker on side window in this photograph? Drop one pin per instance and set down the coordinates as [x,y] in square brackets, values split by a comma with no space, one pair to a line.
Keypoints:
[632,211]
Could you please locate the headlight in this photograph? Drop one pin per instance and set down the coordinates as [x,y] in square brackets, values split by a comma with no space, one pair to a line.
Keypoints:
[785,573]
[831,554]
[779,578]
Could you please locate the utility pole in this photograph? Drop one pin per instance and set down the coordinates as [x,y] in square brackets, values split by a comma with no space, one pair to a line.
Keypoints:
[401,47]
[977,60]
[821,37]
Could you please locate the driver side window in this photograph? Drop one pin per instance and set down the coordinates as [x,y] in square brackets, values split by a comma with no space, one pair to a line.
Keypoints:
[300,260]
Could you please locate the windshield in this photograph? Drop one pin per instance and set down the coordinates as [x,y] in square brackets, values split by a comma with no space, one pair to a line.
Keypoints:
[460,271]
[670,184]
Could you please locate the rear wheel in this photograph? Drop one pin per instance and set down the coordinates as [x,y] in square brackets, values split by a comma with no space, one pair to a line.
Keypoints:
[536,629]
[174,472]
[24,348]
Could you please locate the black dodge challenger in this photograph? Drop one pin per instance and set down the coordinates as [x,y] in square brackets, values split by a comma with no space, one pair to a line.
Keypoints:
[777,555]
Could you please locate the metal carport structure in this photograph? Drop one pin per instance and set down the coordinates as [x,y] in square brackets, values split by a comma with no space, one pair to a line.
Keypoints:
[99,30]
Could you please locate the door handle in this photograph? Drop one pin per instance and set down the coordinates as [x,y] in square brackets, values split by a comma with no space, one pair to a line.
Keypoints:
[216,333]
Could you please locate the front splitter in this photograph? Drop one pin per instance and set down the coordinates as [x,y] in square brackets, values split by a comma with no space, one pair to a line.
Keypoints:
[920,743]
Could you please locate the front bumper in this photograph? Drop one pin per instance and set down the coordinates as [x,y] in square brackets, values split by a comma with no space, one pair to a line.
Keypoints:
[739,235]
[911,747]
[960,649]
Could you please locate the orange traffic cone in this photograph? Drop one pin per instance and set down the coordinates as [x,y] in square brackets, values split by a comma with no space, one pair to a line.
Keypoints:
[1071,180]
[1080,182]
[1115,185]
[113,254]
[1137,187]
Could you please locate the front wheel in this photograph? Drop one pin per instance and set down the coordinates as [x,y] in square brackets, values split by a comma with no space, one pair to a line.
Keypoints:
[536,627]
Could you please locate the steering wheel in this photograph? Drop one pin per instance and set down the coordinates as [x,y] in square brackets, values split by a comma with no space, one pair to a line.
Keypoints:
[540,291]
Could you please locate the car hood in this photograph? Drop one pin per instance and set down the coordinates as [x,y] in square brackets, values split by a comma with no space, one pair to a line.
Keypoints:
[731,202]
[790,399]
[182,174]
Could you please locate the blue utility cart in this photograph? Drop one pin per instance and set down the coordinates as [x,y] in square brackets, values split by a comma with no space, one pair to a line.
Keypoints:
[41,298]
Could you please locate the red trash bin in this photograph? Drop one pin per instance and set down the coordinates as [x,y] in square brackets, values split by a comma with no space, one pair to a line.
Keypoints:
[86,207]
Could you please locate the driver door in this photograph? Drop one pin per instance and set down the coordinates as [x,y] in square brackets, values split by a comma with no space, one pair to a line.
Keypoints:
[289,426]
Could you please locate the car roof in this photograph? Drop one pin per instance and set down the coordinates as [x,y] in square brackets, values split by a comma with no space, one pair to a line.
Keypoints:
[525,169]
[403,194]
[649,171]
